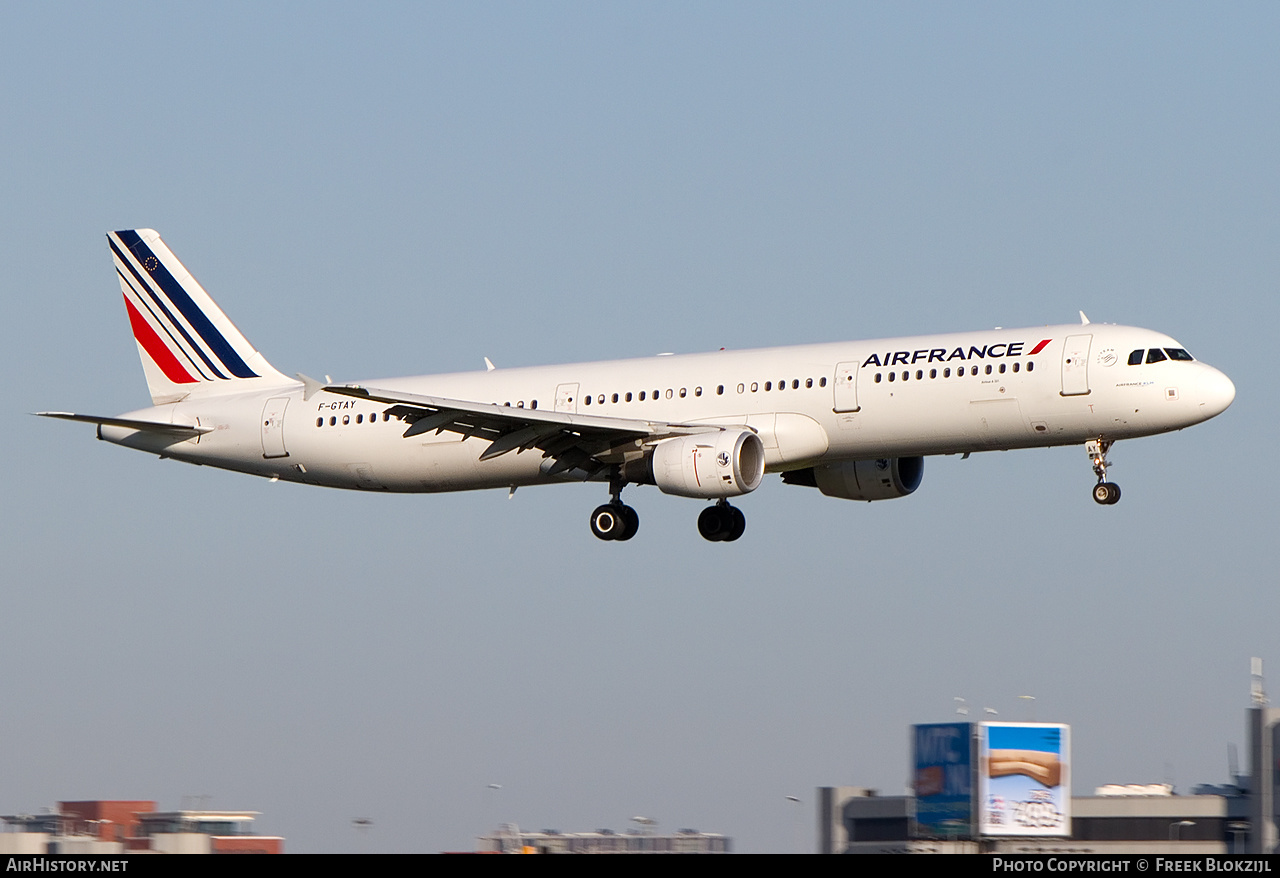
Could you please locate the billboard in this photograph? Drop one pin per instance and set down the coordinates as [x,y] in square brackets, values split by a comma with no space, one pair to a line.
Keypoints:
[1024,779]
[943,778]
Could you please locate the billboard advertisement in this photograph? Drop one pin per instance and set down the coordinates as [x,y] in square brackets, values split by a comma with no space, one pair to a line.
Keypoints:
[1024,777]
[942,755]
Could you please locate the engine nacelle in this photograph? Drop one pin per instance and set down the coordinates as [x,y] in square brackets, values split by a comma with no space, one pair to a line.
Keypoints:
[709,465]
[881,479]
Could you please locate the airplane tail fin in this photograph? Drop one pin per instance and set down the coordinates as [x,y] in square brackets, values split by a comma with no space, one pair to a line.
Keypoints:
[186,343]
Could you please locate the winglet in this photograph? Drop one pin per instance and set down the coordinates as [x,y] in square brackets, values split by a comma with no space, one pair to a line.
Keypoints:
[1084,320]
[488,365]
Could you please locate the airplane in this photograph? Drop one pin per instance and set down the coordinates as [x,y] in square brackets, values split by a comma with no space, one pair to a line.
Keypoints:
[854,420]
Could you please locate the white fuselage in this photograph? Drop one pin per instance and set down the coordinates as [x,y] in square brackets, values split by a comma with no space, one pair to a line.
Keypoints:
[1051,385]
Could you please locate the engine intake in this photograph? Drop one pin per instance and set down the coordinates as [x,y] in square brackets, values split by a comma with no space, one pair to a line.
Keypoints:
[706,465]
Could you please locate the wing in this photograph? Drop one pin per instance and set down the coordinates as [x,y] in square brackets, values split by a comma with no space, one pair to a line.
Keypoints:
[575,441]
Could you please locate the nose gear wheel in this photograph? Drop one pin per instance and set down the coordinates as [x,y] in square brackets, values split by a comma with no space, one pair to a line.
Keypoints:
[1104,493]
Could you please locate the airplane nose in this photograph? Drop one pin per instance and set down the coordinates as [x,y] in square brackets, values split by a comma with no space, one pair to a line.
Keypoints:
[1216,393]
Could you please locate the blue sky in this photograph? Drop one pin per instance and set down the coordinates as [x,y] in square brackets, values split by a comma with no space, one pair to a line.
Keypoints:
[408,188]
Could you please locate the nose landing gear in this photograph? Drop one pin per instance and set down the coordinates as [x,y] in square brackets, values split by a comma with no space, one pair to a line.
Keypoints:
[1104,493]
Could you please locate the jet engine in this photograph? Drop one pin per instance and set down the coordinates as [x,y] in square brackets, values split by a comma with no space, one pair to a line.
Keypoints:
[706,465]
[868,480]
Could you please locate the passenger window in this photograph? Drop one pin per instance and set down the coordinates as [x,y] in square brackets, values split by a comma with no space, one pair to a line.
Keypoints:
[1002,368]
[613,398]
[587,399]
[877,378]
[533,404]
[988,370]
[892,375]
[1015,366]
[1155,355]
[333,422]
[822,382]
[359,419]
[1031,365]
[741,388]
[919,374]
[642,396]
[668,393]
[946,373]
[697,391]
[319,422]
[346,420]
[808,382]
[768,385]
[1135,358]
[600,399]
[754,387]
[795,383]
[719,390]
[975,371]
[682,393]
[628,396]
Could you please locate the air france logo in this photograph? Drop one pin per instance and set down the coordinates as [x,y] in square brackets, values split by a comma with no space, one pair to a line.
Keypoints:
[942,355]
[723,458]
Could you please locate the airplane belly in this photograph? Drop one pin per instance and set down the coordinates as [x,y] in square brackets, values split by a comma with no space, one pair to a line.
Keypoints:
[456,466]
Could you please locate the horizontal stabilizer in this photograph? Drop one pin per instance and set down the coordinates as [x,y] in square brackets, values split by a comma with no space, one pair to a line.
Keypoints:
[130,424]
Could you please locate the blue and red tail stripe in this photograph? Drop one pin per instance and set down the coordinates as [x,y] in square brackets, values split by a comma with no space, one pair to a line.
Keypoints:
[154,305]
[156,348]
[160,285]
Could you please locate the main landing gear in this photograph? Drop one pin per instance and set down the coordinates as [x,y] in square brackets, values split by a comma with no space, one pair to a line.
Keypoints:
[722,523]
[615,520]
[1104,493]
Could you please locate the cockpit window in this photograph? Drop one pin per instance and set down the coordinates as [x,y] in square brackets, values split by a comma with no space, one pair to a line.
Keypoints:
[1179,354]
[1155,355]
[1135,358]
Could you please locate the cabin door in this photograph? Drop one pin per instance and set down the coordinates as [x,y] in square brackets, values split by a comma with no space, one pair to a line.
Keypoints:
[273,427]
[1075,365]
[846,387]
[567,398]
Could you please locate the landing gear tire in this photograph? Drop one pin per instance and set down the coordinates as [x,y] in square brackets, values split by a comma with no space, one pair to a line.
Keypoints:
[630,522]
[722,523]
[615,521]
[1106,493]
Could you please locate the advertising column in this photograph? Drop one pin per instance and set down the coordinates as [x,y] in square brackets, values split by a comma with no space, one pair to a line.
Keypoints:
[1024,774]
[943,780]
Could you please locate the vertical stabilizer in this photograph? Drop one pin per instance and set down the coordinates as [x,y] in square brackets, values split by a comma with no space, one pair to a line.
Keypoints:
[186,343]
